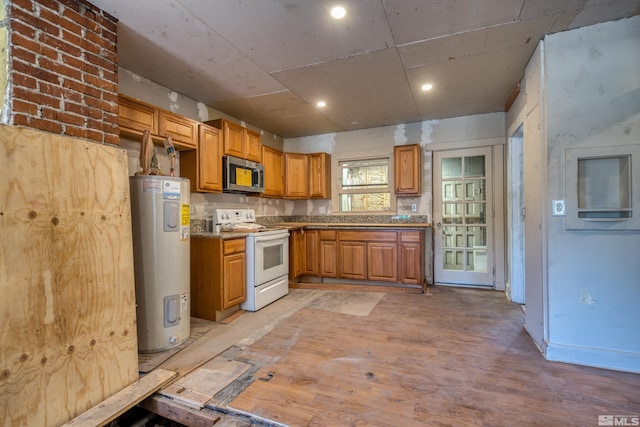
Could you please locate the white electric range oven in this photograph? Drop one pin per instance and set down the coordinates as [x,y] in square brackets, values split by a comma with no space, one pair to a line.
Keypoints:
[267,251]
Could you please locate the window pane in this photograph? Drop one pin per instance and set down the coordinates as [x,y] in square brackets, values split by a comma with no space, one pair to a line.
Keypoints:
[365,202]
[364,185]
[452,213]
[373,174]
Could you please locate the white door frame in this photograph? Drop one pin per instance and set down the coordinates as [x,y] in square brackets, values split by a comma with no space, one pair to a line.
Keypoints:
[465,278]
[515,214]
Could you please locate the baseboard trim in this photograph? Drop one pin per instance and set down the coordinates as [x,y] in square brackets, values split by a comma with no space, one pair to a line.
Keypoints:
[598,358]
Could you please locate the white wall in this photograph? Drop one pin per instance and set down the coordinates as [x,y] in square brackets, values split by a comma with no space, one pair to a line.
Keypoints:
[453,133]
[592,99]
[582,89]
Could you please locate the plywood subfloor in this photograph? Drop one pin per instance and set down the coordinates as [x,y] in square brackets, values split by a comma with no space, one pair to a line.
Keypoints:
[452,357]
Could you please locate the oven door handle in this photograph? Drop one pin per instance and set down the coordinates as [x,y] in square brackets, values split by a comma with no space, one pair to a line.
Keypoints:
[270,237]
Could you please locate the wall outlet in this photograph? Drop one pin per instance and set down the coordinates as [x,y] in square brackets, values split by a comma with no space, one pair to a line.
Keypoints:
[414,207]
[558,207]
[322,210]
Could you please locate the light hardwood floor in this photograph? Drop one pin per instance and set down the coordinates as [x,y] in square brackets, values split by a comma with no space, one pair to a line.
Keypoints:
[453,357]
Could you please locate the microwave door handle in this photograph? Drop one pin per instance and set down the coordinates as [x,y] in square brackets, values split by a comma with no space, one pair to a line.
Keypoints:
[271,237]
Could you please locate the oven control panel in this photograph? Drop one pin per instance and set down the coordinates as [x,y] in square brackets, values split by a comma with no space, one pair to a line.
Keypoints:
[234,216]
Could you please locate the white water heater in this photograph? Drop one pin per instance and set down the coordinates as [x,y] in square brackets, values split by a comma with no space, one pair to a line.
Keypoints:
[160,215]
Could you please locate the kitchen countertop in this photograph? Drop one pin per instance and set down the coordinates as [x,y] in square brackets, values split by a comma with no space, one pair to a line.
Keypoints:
[226,235]
[359,226]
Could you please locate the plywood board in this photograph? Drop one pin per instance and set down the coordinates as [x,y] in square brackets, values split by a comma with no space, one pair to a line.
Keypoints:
[68,321]
[124,400]
[201,385]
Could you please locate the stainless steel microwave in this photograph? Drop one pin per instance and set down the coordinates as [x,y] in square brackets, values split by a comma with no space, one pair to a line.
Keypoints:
[242,176]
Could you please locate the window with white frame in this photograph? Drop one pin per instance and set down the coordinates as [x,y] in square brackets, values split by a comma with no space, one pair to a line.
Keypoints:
[364,185]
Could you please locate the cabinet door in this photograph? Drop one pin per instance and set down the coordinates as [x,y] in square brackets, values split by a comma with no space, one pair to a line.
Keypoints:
[328,267]
[273,161]
[296,168]
[407,167]
[410,254]
[382,259]
[209,159]
[233,135]
[234,289]
[312,255]
[183,130]
[352,260]
[297,250]
[320,179]
[134,117]
[253,146]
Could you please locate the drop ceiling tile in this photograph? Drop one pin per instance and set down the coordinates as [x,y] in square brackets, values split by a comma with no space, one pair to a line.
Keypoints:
[279,35]
[598,11]
[302,125]
[462,45]
[417,20]
[362,91]
[535,8]
[456,89]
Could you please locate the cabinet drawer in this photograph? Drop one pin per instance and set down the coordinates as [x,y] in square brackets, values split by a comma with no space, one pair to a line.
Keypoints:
[234,245]
[410,236]
[327,234]
[369,236]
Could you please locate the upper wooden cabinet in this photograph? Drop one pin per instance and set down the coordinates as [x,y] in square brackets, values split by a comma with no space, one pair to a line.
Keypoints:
[273,161]
[296,169]
[239,141]
[135,116]
[307,175]
[320,179]
[183,131]
[203,166]
[407,167]
[254,145]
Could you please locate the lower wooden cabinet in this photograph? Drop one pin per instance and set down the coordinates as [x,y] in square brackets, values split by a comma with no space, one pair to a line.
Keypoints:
[352,260]
[382,259]
[297,253]
[410,254]
[378,256]
[218,276]
[328,254]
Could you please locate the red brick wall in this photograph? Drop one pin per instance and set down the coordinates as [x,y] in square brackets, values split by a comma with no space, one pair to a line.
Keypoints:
[64,69]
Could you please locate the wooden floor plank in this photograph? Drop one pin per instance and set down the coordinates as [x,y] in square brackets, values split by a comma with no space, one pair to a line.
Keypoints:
[454,357]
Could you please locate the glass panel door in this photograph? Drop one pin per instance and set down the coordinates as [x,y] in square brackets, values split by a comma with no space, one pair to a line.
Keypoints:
[462,230]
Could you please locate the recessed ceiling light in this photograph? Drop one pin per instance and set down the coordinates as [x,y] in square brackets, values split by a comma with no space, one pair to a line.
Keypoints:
[321,104]
[338,12]
[427,86]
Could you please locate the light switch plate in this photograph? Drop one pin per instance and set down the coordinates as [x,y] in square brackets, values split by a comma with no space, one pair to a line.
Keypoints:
[558,207]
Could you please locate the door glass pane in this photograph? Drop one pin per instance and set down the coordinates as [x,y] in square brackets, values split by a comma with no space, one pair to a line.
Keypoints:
[452,167]
[476,237]
[452,213]
[474,166]
[453,260]
[453,237]
[474,190]
[475,213]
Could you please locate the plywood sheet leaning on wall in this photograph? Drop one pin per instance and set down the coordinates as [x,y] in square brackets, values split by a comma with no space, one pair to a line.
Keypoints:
[67,298]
